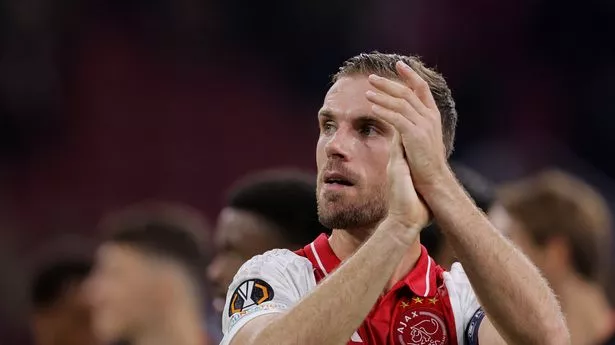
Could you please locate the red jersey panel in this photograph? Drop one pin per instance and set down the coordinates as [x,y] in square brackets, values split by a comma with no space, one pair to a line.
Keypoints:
[417,310]
[428,307]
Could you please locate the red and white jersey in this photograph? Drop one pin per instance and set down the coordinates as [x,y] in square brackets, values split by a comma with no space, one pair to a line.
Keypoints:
[428,307]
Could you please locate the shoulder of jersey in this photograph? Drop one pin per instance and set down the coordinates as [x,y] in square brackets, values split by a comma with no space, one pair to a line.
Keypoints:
[260,278]
[457,273]
[276,258]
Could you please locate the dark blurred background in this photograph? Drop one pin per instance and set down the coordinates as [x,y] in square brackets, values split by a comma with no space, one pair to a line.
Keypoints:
[104,103]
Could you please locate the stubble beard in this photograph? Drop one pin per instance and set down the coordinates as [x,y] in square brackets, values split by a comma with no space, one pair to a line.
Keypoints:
[345,213]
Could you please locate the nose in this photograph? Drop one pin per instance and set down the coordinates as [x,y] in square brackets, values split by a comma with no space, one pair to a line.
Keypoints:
[338,145]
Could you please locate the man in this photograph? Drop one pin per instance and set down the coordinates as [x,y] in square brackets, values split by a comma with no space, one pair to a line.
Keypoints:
[61,315]
[264,210]
[564,226]
[146,287]
[483,194]
[379,121]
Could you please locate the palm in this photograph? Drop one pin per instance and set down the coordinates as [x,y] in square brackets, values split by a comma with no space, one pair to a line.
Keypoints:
[405,206]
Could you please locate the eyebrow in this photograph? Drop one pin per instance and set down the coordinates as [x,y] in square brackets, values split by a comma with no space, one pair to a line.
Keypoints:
[365,118]
[327,113]
[370,119]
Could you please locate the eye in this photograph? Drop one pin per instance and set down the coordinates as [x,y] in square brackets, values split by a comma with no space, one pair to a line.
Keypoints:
[368,130]
[327,127]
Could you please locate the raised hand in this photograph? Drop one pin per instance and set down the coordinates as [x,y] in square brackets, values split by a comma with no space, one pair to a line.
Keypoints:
[410,107]
[405,206]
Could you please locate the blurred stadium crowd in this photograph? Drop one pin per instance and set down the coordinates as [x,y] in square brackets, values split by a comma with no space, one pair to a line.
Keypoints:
[155,124]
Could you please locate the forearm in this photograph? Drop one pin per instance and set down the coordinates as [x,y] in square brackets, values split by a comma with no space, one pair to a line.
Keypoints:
[338,306]
[516,297]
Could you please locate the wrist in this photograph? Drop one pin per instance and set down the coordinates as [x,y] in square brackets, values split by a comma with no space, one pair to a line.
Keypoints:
[442,183]
[402,233]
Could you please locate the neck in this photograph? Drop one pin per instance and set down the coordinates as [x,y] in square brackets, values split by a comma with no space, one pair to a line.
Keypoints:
[180,326]
[587,311]
[345,243]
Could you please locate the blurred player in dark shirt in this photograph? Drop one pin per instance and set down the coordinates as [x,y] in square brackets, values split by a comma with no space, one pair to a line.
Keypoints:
[483,193]
[61,315]
[564,226]
[146,287]
[264,210]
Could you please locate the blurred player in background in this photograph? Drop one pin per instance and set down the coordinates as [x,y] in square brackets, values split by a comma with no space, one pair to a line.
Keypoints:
[147,284]
[483,193]
[61,314]
[610,287]
[264,210]
[371,282]
[564,226]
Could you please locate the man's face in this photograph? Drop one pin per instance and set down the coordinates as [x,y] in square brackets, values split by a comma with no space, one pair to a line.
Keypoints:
[122,291]
[240,235]
[67,322]
[352,156]
[520,237]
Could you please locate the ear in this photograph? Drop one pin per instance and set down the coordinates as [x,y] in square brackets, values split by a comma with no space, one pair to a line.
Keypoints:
[557,259]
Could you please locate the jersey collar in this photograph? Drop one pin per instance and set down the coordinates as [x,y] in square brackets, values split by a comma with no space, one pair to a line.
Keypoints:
[321,255]
[421,279]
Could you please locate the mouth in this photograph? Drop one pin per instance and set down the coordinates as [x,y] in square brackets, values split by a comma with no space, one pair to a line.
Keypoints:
[337,179]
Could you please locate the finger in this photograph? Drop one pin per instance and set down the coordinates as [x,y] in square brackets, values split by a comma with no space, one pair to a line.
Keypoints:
[398,90]
[397,159]
[398,105]
[398,170]
[397,148]
[416,83]
[395,119]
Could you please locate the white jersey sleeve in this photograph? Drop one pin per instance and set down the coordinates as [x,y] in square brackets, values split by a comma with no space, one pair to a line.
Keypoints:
[267,283]
[463,299]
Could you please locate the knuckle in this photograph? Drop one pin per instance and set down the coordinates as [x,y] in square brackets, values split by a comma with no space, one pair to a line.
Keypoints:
[423,84]
[427,127]
[435,121]
[406,93]
[400,104]
[430,122]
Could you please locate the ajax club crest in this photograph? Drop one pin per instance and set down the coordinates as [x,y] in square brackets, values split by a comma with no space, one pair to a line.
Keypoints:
[418,324]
